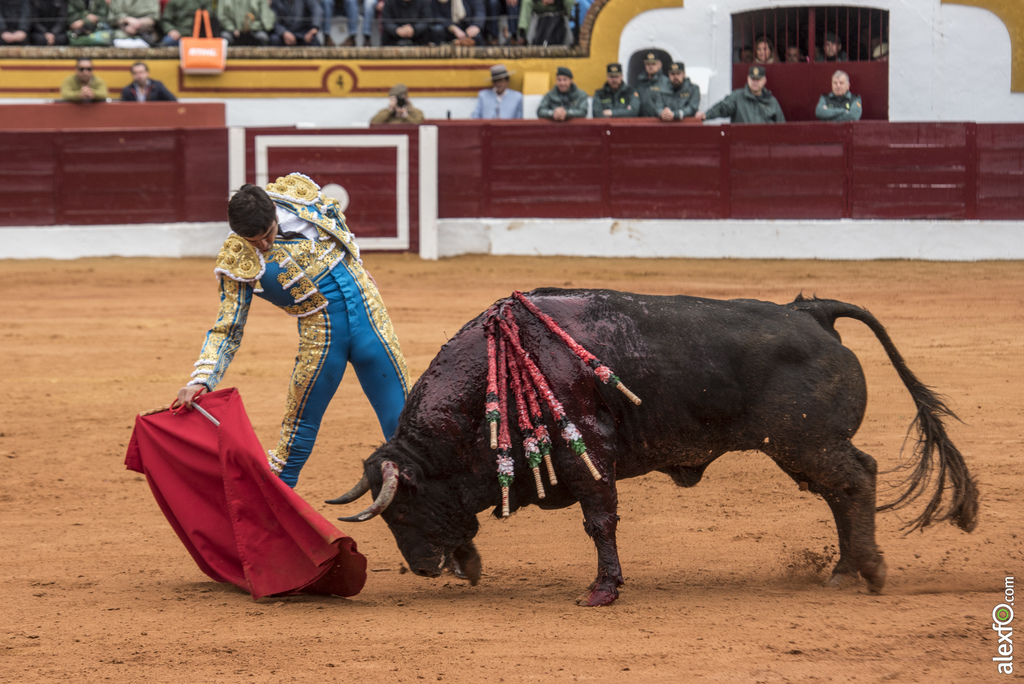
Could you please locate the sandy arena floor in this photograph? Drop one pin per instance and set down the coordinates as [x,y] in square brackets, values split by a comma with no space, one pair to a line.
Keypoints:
[724,581]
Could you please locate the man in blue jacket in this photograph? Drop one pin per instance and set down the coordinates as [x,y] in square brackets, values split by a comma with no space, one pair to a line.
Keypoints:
[144,89]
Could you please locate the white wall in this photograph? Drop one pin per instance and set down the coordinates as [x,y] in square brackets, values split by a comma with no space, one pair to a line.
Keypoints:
[739,239]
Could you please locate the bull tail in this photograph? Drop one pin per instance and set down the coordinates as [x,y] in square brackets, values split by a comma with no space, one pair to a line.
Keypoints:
[937,464]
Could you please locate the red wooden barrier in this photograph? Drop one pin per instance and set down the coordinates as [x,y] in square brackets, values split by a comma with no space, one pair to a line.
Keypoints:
[115,177]
[646,169]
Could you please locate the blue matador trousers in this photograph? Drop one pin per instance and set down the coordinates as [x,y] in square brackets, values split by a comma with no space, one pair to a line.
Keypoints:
[329,339]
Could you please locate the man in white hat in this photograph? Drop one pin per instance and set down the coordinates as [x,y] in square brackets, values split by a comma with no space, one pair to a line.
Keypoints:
[499,101]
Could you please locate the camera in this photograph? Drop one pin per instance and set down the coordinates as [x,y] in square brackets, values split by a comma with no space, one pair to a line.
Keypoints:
[401,101]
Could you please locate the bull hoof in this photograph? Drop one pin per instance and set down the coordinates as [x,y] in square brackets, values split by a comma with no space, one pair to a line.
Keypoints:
[839,580]
[876,577]
[598,597]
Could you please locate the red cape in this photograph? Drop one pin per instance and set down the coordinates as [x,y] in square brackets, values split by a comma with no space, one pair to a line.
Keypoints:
[239,521]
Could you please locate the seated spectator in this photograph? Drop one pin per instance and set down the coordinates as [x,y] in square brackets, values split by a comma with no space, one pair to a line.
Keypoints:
[461,23]
[406,22]
[683,97]
[764,51]
[565,101]
[15,21]
[135,19]
[49,23]
[753,103]
[399,109]
[246,22]
[832,50]
[650,85]
[85,18]
[298,22]
[370,10]
[507,32]
[615,98]
[546,22]
[83,85]
[144,89]
[793,55]
[178,19]
[840,104]
[498,101]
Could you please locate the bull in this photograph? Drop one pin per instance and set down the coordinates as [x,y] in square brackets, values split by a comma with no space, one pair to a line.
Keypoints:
[714,376]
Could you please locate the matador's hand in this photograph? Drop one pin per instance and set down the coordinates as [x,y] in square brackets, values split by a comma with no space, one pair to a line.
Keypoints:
[186,394]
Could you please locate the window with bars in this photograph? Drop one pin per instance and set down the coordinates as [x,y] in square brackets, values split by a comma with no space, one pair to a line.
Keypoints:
[809,34]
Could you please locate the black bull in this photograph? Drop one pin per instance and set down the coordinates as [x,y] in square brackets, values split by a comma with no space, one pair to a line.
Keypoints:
[714,376]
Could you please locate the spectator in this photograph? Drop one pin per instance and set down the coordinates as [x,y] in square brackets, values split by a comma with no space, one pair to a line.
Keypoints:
[399,109]
[683,96]
[840,104]
[406,22]
[15,21]
[746,55]
[546,22]
[298,22]
[370,10]
[509,33]
[615,98]
[85,17]
[764,51]
[352,20]
[461,23]
[565,101]
[83,85]
[246,22]
[135,19]
[880,53]
[144,89]
[50,23]
[650,85]
[753,103]
[832,50]
[793,55]
[178,18]
[499,101]
[579,12]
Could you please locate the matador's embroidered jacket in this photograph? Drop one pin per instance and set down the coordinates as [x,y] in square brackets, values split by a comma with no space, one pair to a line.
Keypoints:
[287,276]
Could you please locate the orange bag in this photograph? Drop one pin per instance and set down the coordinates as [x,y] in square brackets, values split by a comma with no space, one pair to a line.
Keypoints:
[207,55]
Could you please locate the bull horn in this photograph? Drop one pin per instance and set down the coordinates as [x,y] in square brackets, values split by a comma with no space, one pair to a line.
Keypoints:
[387,492]
[351,495]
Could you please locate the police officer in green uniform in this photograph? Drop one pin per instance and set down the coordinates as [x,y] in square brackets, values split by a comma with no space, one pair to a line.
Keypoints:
[753,103]
[565,101]
[615,98]
[840,104]
[651,85]
[682,98]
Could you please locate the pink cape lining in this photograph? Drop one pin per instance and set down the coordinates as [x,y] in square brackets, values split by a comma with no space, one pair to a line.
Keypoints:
[238,520]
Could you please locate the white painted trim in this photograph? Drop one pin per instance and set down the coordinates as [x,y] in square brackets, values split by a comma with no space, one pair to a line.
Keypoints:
[236,158]
[428,192]
[735,239]
[263,143]
[840,240]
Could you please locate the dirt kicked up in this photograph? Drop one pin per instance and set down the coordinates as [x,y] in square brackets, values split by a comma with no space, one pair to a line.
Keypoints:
[724,581]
